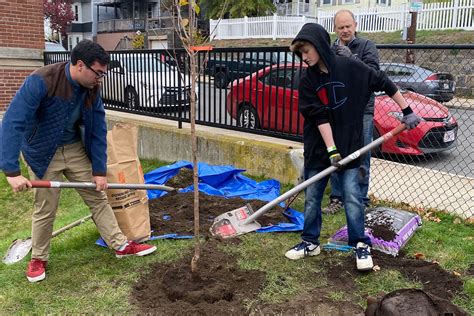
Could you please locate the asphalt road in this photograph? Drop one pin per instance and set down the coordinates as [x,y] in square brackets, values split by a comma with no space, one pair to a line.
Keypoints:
[459,160]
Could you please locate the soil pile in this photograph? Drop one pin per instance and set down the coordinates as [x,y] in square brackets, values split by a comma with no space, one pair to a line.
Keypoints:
[221,287]
[218,288]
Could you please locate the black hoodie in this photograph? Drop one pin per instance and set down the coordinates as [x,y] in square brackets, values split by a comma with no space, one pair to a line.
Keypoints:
[338,97]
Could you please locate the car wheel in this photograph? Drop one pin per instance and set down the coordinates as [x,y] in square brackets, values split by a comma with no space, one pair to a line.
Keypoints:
[220,79]
[131,98]
[377,151]
[248,117]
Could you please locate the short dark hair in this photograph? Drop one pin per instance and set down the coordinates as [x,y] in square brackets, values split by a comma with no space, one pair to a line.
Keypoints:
[89,52]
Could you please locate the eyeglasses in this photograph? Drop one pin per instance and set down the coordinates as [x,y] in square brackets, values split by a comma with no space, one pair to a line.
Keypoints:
[98,75]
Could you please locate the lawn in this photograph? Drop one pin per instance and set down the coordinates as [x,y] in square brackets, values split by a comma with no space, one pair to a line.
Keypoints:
[85,278]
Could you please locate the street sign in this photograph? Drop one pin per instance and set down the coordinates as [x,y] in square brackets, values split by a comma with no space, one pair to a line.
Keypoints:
[416,5]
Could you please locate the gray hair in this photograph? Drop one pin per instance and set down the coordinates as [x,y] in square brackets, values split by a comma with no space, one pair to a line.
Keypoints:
[343,11]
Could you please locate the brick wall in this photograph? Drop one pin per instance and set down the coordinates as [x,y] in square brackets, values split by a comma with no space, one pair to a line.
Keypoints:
[21,44]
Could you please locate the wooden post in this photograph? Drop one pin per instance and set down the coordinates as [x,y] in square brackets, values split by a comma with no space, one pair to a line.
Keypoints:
[411,38]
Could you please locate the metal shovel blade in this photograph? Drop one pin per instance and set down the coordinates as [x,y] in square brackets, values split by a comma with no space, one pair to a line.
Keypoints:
[21,247]
[230,224]
[17,250]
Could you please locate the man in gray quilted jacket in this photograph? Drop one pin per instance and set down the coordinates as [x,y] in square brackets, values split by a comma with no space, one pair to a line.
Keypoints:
[350,45]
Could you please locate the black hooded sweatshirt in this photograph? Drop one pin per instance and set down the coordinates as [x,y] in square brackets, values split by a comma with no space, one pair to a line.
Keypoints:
[338,97]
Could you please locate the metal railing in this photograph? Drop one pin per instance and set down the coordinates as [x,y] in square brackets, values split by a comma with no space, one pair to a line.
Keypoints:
[255,90]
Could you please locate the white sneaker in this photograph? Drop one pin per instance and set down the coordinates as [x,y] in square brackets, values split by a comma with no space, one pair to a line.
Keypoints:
[303,249]
[363,257]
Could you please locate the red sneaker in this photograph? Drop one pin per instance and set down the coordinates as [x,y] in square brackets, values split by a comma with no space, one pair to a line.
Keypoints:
[36,270]
[135,249]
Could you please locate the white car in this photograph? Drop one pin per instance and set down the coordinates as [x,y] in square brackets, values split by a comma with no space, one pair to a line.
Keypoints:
[143,81]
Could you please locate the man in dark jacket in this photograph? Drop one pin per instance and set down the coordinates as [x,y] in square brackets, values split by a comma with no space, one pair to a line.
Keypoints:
[350,45]
[42,122]
[333,94]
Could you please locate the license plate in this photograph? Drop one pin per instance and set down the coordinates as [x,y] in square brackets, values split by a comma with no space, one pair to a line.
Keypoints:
[449,136]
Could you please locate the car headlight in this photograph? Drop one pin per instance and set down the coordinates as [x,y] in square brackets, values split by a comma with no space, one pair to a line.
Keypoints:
[397,115]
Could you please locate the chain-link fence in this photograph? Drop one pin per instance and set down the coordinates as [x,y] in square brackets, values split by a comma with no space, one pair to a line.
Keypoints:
[255,90]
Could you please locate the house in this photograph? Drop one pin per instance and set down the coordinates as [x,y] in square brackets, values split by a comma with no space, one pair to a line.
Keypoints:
[115,23]
[311,7]
[81,26]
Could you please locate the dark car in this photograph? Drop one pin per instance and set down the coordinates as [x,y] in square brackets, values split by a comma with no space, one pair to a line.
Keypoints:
[268,99]
[439,86]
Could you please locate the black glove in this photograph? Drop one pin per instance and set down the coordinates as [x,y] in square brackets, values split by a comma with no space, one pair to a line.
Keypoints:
[342,50]
[334,156]
[410,119]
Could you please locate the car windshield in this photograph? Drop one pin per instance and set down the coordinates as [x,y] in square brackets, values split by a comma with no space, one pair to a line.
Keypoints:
[145,65]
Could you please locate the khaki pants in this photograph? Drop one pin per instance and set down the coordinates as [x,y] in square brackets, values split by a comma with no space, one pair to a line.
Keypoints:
[72,162]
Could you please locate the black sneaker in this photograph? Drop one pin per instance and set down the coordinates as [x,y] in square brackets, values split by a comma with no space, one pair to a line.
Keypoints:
[335,205]
[363,257]
[303,249]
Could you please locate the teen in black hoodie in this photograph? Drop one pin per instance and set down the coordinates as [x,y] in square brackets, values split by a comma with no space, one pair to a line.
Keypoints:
[333,94]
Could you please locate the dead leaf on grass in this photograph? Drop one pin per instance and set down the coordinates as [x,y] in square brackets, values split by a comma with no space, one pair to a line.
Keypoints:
[419,256]
[456,273]
[376,268]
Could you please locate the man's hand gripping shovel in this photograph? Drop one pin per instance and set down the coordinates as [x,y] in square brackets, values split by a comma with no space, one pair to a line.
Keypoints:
[243,220]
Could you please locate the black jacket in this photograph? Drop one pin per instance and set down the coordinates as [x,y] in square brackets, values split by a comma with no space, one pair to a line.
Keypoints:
[338,97]
[364,50]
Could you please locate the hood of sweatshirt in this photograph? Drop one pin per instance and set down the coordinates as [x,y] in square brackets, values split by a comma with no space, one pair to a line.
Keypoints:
[319,38]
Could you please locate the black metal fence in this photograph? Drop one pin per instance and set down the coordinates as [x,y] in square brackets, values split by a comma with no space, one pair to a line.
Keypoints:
[255,90]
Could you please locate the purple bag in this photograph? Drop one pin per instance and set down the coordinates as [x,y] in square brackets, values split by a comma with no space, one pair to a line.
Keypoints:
[389,229]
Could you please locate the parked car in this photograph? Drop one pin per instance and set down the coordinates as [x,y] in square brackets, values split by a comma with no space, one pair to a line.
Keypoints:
[144,81]
[53,47]
[436,85]
[225,68]
[268,99]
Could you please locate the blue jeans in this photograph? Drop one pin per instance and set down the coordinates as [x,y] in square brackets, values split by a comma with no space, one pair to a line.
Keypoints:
[364,166]
[352,204]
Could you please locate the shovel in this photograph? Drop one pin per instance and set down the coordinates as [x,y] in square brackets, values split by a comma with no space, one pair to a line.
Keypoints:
[21,247]
[91,185]
[243,220]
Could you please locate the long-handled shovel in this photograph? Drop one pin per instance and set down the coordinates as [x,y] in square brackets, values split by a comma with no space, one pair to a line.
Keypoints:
[91,185]
[21,247]
[243,220]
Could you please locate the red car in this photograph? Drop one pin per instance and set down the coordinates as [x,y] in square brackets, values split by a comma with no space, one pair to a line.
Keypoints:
[268,100]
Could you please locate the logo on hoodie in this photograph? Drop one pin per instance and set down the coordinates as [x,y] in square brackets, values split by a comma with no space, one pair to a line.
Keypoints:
[328,91]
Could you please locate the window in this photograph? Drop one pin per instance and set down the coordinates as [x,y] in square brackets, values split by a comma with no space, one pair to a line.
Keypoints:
[76,13]
[326,2]
[136,12]
[280,78]
[150,10]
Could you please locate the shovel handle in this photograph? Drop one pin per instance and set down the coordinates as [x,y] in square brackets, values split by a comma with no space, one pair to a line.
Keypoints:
[69,226]
[91,185]
[324,173]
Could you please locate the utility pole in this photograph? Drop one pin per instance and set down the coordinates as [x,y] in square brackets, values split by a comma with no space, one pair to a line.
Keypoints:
[415,6]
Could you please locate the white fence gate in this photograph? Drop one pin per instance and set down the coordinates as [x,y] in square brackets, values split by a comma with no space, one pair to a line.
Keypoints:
[457,14]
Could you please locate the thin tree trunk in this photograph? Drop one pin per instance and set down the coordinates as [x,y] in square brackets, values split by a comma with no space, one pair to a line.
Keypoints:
[192,67]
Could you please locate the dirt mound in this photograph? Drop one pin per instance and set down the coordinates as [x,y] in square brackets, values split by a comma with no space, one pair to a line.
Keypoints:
[174,213]
[219,287]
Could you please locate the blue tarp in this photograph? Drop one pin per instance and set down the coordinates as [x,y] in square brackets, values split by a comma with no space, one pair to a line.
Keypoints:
[225,181]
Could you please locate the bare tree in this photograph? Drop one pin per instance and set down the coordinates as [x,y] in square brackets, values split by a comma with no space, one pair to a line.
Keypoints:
[186,28]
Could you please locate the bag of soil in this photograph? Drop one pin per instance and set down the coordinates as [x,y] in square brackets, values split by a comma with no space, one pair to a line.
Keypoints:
[123,166]
[389,229]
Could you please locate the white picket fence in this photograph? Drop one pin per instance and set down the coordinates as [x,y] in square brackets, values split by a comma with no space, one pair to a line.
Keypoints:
[457,14]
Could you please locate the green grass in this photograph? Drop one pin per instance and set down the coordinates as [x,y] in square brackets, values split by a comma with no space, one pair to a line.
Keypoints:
[85,278]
